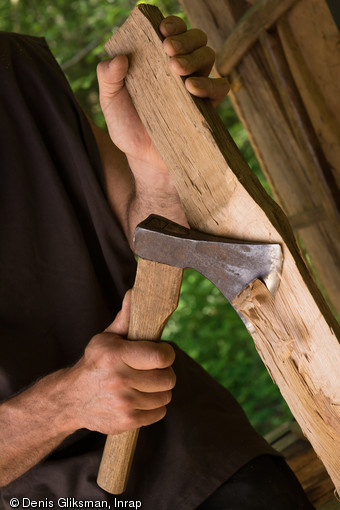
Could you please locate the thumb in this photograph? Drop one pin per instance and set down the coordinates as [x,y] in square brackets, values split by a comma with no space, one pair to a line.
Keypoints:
[111,74]
[120,326]
[120,114]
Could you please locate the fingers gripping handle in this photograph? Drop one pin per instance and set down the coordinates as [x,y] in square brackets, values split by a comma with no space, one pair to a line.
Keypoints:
[154,298]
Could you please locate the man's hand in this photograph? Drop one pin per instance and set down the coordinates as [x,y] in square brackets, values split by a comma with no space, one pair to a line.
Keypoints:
[151,190]
[189,56]
[116,386]
[121,385]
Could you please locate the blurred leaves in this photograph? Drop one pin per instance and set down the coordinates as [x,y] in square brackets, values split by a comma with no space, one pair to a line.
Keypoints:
[205,325]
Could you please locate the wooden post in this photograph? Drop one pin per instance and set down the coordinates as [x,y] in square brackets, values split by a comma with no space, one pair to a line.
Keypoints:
[294,178]
[222,196]
[300,123]
[258,18]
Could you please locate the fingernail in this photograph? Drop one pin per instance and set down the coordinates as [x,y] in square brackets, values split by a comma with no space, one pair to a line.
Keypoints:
[170,27]
[183,61]
[177,45]
[196,83]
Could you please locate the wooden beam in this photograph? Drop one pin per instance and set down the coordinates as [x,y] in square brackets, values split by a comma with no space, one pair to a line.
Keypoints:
[261,16]
[293,178]
[222,196]
[307,218]
[307,53]
[300,121]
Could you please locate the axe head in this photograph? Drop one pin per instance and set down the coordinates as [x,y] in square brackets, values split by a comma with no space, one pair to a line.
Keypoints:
[231,265]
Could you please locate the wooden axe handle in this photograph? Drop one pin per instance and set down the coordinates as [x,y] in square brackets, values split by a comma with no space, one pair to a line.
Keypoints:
[154,297]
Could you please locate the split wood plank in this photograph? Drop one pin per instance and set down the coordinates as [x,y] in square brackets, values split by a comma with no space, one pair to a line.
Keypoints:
[286,163]
[261,16]
[222,196]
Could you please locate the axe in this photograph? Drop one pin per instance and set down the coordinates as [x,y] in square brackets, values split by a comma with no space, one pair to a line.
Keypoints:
[165,249]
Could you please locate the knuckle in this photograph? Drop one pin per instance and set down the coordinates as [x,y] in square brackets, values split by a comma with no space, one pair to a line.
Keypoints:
[106,357]
[103,350]
[121,382]
[96,340]
[93,347]
[126,405]
[129,420]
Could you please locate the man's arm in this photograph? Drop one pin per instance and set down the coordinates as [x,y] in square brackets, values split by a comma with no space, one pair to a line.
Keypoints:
[116,386]
[133,199]
[140,183]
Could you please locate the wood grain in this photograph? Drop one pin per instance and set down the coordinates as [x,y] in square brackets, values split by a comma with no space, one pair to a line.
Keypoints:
[154,297]
[221,196]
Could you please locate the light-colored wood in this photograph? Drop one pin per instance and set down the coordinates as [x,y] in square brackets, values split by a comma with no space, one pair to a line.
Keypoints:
[221,196]
[259,17]
[296,185]
[278,334]
[154,297]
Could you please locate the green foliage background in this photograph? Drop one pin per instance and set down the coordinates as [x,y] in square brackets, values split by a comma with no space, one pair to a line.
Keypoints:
[205,325]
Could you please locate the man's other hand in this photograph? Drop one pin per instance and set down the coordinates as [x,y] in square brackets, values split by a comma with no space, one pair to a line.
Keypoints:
[119,384]
[189,55]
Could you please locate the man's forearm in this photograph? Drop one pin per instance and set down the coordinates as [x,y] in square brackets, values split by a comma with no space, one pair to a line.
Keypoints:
[32,424]
[154,193]
[117,385]
[136,189]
